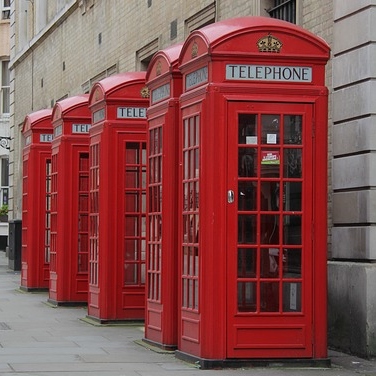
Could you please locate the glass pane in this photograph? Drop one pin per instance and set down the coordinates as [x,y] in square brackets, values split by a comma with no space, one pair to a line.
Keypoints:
[292,297]
[131,178]
[292,129]
[131,155]
[247,296]
[247,229]
[292,163]
[247,162]
[131,250]
[270,125]
[130,275]
[292,229]
[131,225]
[269,195]
[192,131]
[292,194]
[269,229]
[185,260]
[247,129]
[270,162]
[269,263]
[247,192]
[131,202]
[293,263]
[186,129]
[269,296]
[247,262]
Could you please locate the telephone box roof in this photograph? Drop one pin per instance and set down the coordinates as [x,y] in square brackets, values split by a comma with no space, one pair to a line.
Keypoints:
[247,36]
[41,118]
[72,106]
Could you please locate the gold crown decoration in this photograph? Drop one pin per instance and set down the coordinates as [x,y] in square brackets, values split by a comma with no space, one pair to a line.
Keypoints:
[194,50]
[269,44]
[145,92]
[158,68]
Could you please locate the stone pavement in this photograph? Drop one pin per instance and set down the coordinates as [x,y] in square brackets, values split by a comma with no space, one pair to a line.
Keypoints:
[37,339]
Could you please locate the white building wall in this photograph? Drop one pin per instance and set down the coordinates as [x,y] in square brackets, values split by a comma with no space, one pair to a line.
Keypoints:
[352,272]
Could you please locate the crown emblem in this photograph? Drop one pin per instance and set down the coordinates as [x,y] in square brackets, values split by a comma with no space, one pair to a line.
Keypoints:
[194,50]
[269,44]
[158,68]
[145,92]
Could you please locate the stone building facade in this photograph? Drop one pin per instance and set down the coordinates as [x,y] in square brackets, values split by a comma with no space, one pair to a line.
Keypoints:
[59,48]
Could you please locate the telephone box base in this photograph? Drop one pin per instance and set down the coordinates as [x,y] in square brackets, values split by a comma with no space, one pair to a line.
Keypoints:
[160,346]
[97,321]
[33,289]
[56,303]
[251,363]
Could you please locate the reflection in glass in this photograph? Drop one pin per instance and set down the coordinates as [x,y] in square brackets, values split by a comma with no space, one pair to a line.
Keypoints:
[247,262]
[269,263]
[293,263]
[269,229]
[292,193]
[247,192]
[269,195]
[247,129]
[292,229]
[270,125]
[292,165]
[292,297]
[247,296]
[247,162]
[269,296]
[292,129]
[130,274]
[247,229]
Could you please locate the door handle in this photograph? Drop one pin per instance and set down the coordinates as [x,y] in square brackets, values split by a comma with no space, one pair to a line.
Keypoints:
[230,196]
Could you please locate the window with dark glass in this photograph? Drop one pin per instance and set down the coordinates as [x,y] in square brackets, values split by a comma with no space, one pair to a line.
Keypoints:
[283,10]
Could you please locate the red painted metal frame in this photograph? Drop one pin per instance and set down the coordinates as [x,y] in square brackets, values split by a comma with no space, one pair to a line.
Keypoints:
[117,147]
[165,83]
[37,132]
[203,326]
[71,119]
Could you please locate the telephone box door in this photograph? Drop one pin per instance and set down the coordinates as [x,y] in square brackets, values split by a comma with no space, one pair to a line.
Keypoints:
[270,217]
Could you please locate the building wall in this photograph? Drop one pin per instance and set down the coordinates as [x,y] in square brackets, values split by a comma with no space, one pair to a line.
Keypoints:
[352,272]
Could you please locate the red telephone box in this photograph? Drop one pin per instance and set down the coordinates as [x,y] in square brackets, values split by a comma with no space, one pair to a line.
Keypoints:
[70,201]
[36,201]
[118,198]
[165,84]
[254,185]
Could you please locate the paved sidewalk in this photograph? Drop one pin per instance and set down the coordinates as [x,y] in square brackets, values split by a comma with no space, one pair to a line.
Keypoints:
[36,339]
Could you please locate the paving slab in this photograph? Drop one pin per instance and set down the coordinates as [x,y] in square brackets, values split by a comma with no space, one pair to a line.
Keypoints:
[38,339]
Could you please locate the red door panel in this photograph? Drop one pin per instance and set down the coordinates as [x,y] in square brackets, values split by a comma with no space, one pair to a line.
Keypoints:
[269,246]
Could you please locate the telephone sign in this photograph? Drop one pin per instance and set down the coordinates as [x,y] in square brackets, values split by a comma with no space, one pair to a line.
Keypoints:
[268,73]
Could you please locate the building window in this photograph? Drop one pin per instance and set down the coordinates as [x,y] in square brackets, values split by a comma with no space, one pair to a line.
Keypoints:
[204,17]
[283,10]
[145,54]
[5,88]
[5,9]
[86,86]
